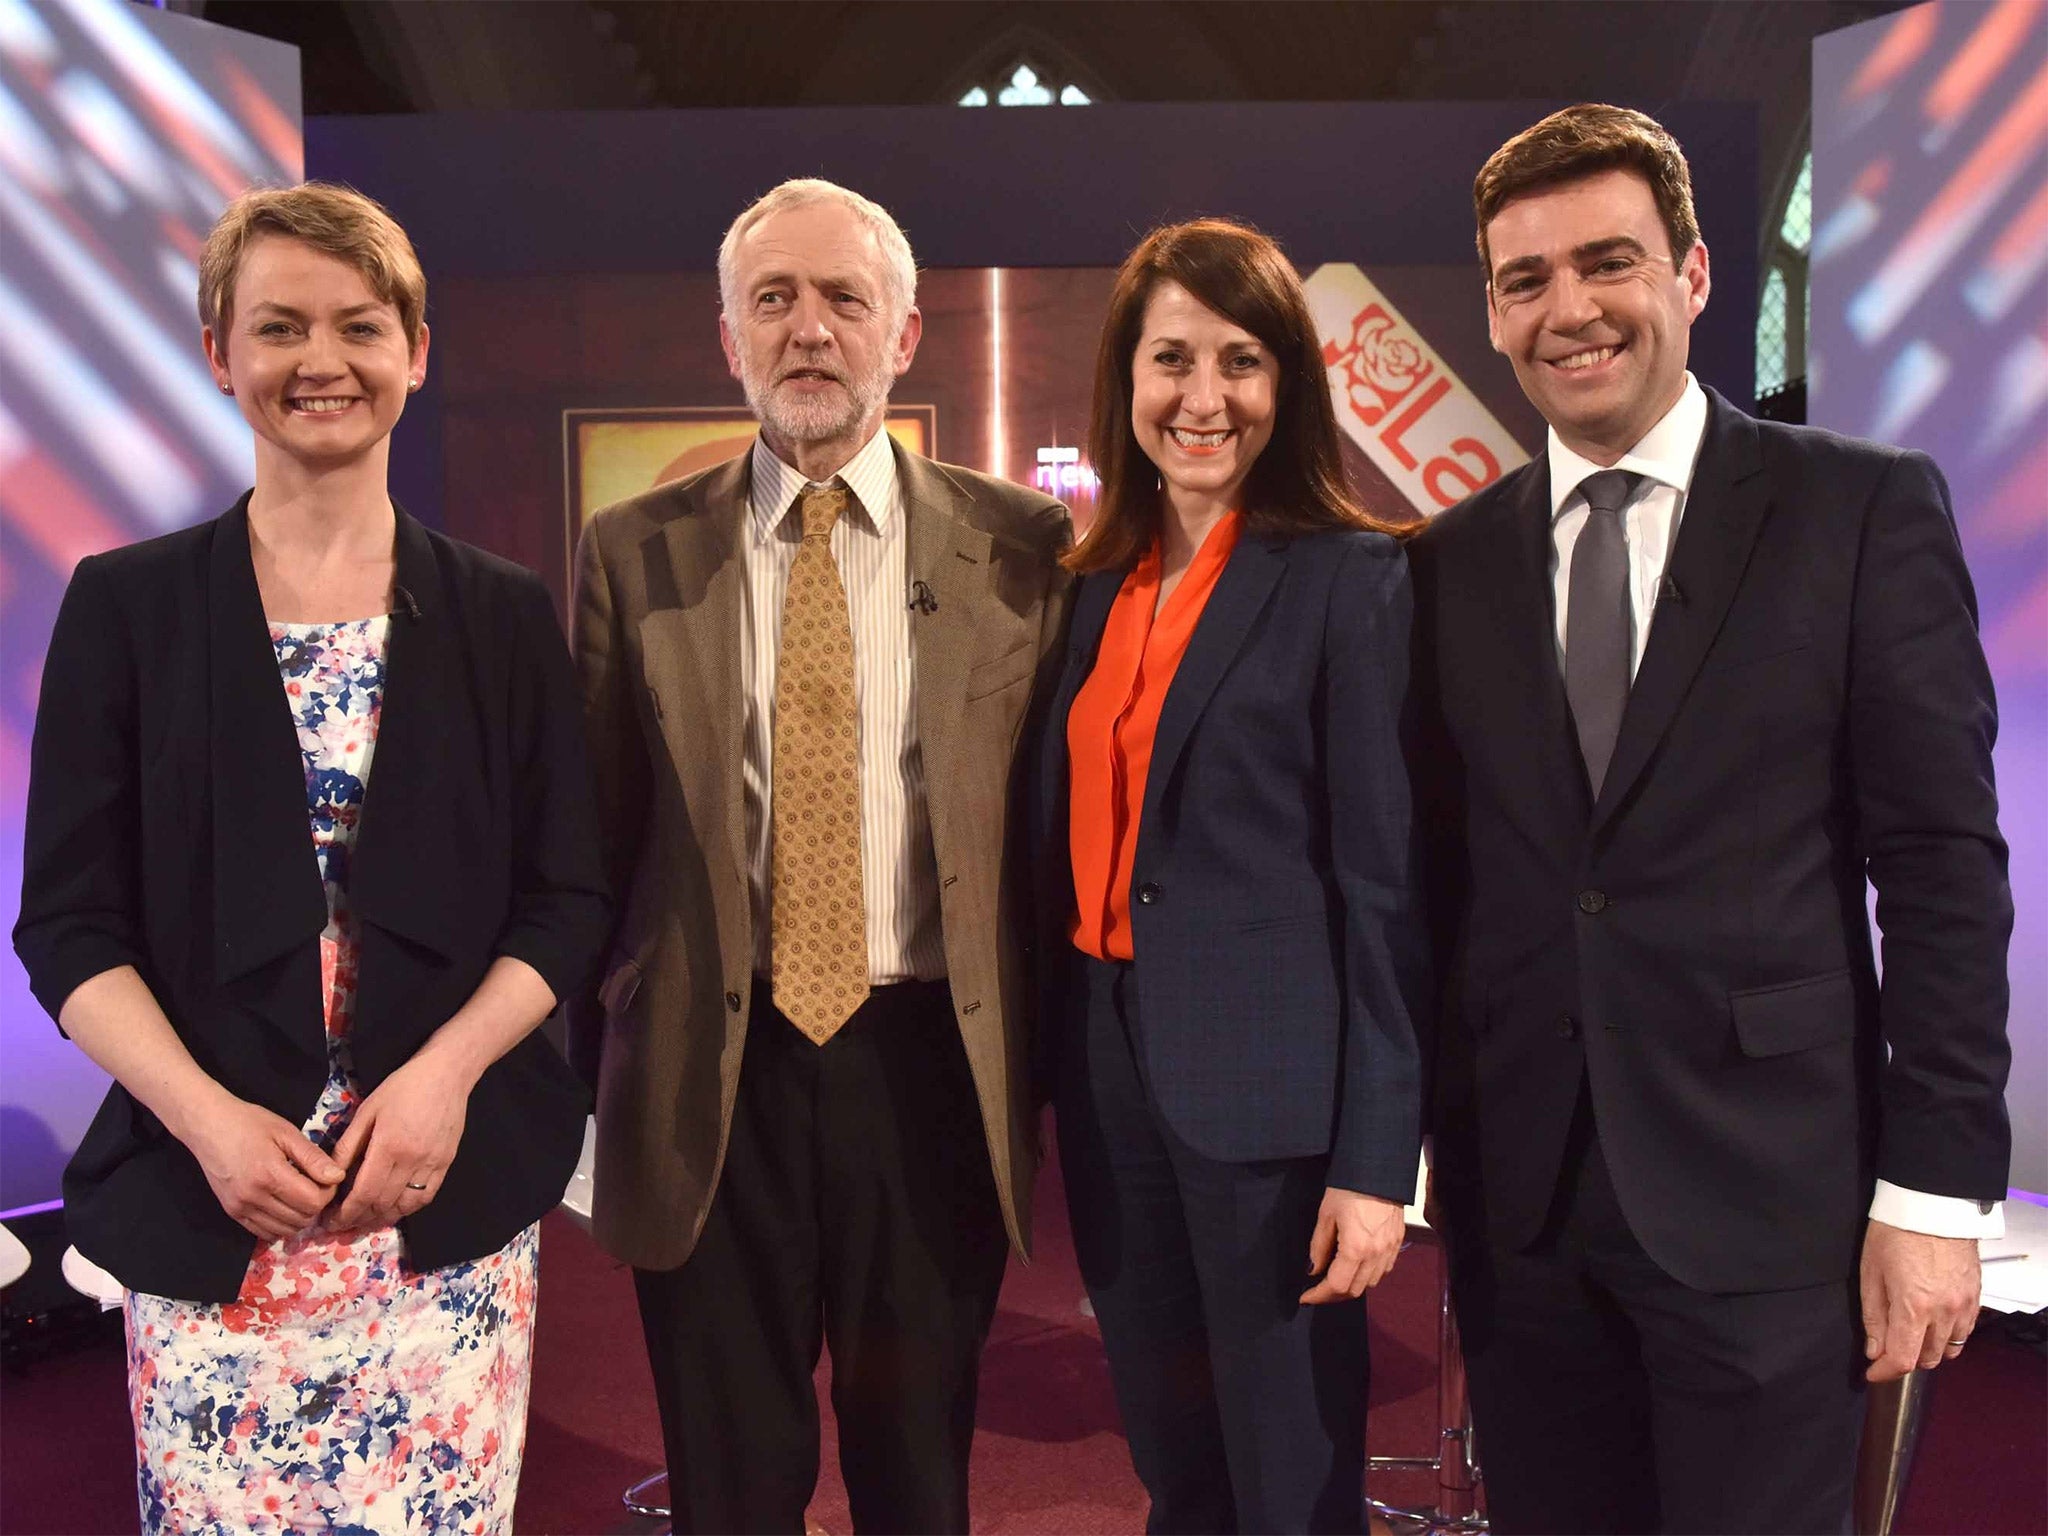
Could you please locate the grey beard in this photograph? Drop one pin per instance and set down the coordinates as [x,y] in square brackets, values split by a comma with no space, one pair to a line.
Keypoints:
[815,420]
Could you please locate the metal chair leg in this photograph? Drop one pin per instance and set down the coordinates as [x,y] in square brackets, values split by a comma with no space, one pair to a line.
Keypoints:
[639,1498]
[1456,1511]
[1892,1415]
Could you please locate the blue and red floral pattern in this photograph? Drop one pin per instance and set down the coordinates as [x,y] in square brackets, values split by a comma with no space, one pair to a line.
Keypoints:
[340,1391]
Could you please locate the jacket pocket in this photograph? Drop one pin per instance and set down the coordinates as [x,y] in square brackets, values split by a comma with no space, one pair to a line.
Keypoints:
[1794,1015]
[994,676]
[1761,643]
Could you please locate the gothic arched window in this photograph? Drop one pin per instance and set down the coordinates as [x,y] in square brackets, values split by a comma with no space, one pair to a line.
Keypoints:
[1781,311]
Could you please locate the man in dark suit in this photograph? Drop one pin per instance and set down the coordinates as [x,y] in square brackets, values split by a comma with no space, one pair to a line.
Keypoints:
[1685,681]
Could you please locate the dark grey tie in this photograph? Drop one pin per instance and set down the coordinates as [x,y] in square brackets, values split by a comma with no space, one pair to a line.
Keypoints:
[1597,621]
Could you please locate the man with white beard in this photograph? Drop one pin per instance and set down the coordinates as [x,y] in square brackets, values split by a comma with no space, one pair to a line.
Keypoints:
[804,674]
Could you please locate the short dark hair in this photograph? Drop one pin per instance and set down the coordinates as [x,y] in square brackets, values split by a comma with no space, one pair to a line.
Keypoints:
[1297,485]
[1583,141]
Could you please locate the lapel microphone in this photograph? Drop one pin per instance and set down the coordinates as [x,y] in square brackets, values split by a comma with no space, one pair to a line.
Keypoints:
[412,609]
[921,599]
[1670,591]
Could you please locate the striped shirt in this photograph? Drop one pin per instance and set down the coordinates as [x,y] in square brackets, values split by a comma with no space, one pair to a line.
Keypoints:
[870,545]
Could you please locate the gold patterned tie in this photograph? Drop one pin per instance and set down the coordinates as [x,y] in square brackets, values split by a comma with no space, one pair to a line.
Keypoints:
[818,915]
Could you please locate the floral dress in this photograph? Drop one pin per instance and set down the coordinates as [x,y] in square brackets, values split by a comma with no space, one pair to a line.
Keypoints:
[340,1391]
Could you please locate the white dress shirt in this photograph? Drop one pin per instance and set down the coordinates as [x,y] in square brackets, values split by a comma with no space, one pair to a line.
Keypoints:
[1665,457]
[870,545]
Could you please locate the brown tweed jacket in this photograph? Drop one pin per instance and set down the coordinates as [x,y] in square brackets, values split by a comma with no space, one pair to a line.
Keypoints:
[656,631]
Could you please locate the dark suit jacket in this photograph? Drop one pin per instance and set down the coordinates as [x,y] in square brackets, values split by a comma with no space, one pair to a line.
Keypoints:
[167,830]
[1275,911]
[1812,706]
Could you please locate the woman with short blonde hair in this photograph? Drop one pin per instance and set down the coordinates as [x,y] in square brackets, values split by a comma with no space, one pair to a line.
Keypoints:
[332,1129]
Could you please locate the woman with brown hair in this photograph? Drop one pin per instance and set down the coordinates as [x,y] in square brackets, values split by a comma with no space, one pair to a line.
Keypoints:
[1227,876]
[332,1127]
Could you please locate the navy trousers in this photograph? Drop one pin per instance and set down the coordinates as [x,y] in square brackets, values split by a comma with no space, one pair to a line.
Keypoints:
[1244,1409]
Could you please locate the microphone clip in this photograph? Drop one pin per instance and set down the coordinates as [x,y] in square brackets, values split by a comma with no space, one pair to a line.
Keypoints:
[921,598]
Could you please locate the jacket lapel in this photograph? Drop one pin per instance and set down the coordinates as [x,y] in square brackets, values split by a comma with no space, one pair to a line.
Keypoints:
[405,870]
[1092,602]
[1723,511]
[1234,604]
[1522,605]
[266,884]
[951,557]
[690,648]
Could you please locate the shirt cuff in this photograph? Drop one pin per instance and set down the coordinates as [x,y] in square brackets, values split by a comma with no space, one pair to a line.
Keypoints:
[1911,1210]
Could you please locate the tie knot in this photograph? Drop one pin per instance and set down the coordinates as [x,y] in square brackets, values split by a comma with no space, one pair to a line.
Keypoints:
[820,506]
[1610,489]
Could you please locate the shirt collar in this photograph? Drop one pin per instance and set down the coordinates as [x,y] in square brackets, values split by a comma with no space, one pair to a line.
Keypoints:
[869,474]
[1666,453]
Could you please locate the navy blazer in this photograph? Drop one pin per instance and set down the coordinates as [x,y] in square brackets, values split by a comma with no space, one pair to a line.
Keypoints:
[167,830]
[1275,909]
[1691,948]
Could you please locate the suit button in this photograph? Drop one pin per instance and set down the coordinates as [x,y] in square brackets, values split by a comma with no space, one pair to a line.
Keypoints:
[1567,1028]
[1592,901]
[732,1002]
[1148,893]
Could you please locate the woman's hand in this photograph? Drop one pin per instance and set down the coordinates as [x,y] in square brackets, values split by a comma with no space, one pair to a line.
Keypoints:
[1356,1241]
[263,1170]
[401,1141]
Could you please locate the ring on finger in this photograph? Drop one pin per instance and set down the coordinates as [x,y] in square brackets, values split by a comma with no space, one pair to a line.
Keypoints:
[420,1187]
[1959,1343]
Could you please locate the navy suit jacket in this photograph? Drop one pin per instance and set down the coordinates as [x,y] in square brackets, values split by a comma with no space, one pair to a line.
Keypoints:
[1275,910]
[1812,708]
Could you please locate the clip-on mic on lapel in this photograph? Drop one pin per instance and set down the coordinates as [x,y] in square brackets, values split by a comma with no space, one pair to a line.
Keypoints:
[921,599]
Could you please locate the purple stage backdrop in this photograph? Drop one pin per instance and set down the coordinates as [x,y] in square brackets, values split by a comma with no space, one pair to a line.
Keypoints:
[1930,329]
[123,132]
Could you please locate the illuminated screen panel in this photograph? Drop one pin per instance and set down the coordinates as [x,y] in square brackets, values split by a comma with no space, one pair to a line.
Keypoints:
[1930,330]
[123,132]
[617,384]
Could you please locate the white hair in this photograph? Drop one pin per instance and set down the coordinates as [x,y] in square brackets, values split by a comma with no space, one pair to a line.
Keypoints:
[899,268]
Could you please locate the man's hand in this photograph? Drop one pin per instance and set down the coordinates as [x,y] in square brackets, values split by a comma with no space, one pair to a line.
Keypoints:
[401,1141]
[1919,1299]
[1356,1241]
[263,1170]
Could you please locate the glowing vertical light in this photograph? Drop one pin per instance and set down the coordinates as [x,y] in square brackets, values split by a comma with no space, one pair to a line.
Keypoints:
[998,443]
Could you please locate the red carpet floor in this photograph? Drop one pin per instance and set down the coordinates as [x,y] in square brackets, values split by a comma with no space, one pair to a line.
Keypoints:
[1048,1456]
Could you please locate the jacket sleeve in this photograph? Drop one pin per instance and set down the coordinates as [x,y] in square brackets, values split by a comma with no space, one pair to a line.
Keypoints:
[81,881]
[621,774]
[1383,954]
[560,913]
[1921,722]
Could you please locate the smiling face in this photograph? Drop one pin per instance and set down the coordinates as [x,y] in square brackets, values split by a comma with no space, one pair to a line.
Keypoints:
[813,339]
[1590,307]
[317,362]
[1204,394]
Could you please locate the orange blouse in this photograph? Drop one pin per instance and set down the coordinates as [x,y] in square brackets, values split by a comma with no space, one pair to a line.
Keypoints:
[1110,730]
